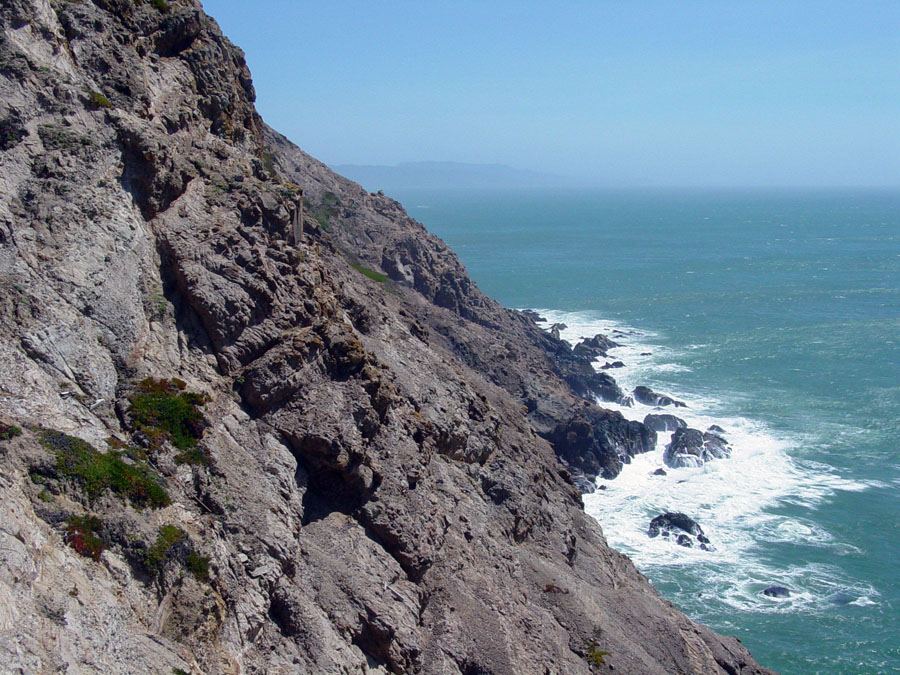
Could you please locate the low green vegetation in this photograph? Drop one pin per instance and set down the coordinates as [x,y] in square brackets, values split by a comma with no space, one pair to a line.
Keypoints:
[11,132]
[83,535]
[56,137]
[328,208]
[9,431]
[173,544]
[593,654]
[164,411]
[156,556]
[198,565]
[161,5]
[97,100]
[268,161]
[95,472]
[371,274]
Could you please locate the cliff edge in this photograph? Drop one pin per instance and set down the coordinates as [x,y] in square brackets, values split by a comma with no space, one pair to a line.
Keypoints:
[225,450]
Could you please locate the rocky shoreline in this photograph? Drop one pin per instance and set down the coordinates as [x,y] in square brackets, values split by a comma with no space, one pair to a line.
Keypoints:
[243,451]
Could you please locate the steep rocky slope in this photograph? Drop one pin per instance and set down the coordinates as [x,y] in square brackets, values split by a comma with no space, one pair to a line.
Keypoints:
[243,453]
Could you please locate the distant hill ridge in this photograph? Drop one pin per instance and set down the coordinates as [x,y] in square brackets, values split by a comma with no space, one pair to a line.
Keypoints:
[433,174]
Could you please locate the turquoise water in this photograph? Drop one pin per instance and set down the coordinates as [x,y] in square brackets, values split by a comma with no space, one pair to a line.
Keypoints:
[775,314]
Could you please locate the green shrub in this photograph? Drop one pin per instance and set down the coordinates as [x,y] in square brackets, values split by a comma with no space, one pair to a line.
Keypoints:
[82,535]
[94,472]
[164,411]
[9,431]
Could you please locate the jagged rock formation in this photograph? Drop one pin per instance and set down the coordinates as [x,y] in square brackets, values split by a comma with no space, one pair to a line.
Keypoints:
[354,465]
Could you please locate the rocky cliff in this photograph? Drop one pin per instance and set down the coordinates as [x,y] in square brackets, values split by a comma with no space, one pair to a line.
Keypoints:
[228,451]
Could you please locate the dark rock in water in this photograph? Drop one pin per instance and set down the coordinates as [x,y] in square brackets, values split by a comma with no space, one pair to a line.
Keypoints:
[684,529]
[667,523]
[534,316]
[601,487]
[627,401]
[600,442]
[591,348]
[715,428]
[684,540]
[646,353]
[659,472]
[777,592]
[600,342]
[647,396]
[693,448]
[661,423]
[614,364]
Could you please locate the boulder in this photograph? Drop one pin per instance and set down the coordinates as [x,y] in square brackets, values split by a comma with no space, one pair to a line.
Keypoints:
[647,396]
[659,472]
[614,364]
[664,423]
[716,429]
[693,448]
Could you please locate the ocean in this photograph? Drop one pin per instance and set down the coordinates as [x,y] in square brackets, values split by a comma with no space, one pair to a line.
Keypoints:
[773,314]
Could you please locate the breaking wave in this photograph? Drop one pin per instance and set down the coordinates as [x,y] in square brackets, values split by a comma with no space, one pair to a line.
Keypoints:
[736,501]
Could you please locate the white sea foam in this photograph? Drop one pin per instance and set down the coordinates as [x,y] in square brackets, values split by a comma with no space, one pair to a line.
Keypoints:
[735,500]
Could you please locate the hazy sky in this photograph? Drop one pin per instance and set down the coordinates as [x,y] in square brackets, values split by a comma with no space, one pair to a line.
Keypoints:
[631,92]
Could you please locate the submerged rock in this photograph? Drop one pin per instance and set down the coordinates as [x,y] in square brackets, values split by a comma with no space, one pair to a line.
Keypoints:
[659,472]
[693,448]
[777,592]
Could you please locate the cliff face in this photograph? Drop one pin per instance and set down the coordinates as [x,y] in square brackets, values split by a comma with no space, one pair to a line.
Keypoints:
[350,472]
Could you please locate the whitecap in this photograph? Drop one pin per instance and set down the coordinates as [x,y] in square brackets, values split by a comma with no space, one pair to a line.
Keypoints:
[735,500]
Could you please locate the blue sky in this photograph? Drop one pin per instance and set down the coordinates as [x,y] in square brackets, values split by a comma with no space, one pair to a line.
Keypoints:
[631,92]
